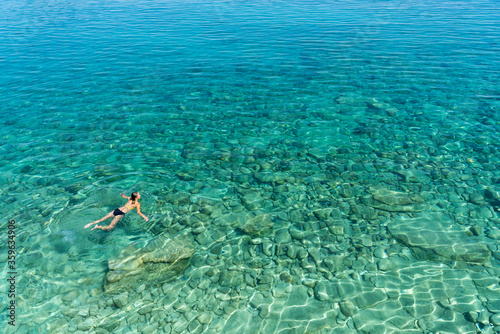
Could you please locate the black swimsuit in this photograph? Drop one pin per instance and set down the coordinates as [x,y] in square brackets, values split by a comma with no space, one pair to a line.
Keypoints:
[118,212]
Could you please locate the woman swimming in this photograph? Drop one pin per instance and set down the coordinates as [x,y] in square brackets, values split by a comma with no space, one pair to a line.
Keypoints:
[120,212]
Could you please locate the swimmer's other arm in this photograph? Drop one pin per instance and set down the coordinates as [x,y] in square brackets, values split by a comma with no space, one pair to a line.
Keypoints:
[140,213]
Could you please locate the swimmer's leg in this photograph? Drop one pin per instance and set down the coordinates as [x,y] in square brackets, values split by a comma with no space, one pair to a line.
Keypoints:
[109,215]
[110,226]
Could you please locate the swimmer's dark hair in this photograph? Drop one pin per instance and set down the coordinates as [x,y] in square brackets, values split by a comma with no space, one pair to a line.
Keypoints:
[133,197]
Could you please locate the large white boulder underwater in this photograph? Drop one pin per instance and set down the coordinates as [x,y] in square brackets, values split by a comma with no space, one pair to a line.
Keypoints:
[436,237]
[154,262]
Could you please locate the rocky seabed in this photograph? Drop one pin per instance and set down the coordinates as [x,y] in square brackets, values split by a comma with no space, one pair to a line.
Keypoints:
[329,229]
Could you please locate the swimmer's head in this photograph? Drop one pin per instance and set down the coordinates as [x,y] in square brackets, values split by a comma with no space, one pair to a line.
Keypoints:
[135,196]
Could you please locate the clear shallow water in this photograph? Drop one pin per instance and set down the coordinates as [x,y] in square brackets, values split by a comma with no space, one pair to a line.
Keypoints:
[385,112]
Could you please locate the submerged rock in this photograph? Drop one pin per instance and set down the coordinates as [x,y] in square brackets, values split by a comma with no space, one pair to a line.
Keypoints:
[155,262]
[347,308]
[258,226]
[252,201]
[492,197]
[493,233]
[413,175]
[231,279]
[396,201]
[269,177]
[436,237]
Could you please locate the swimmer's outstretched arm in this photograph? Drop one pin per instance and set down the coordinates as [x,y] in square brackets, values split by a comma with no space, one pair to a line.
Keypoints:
[123,195]
[140,213]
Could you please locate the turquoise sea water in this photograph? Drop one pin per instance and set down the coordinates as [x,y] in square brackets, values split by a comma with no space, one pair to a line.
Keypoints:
[334,165]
